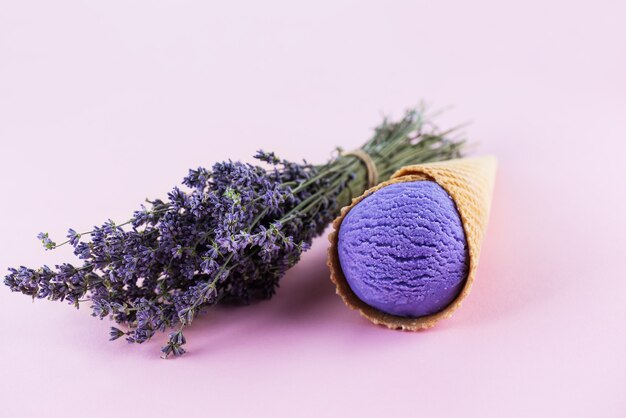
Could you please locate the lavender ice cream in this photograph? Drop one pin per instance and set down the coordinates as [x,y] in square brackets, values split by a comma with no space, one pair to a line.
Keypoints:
[402,249]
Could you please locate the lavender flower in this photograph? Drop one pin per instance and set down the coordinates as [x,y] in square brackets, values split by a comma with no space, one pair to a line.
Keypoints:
[174,345]
[115,333]
[46,241]
[227,238]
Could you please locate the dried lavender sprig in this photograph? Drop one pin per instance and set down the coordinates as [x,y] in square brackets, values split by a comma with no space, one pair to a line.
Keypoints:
[230,238]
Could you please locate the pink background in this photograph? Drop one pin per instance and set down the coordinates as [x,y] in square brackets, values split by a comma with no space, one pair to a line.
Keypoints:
[105,103]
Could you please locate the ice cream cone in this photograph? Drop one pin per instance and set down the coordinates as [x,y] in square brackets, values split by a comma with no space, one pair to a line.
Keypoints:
[469,182]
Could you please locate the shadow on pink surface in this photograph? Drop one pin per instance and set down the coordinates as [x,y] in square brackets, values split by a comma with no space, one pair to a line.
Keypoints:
[304,307]
[508,281]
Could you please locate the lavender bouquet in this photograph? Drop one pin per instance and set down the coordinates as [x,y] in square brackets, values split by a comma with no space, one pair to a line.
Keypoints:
[228,237]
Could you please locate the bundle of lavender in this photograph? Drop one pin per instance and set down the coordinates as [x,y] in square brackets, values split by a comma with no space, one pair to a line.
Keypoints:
[228,237]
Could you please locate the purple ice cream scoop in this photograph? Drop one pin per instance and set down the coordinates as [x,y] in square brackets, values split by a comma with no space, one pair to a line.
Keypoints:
[402,249]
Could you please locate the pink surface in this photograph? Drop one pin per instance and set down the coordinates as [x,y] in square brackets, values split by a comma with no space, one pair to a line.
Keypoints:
[105,103]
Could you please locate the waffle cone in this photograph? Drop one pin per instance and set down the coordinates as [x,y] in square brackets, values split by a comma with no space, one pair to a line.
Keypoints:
[469,181]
